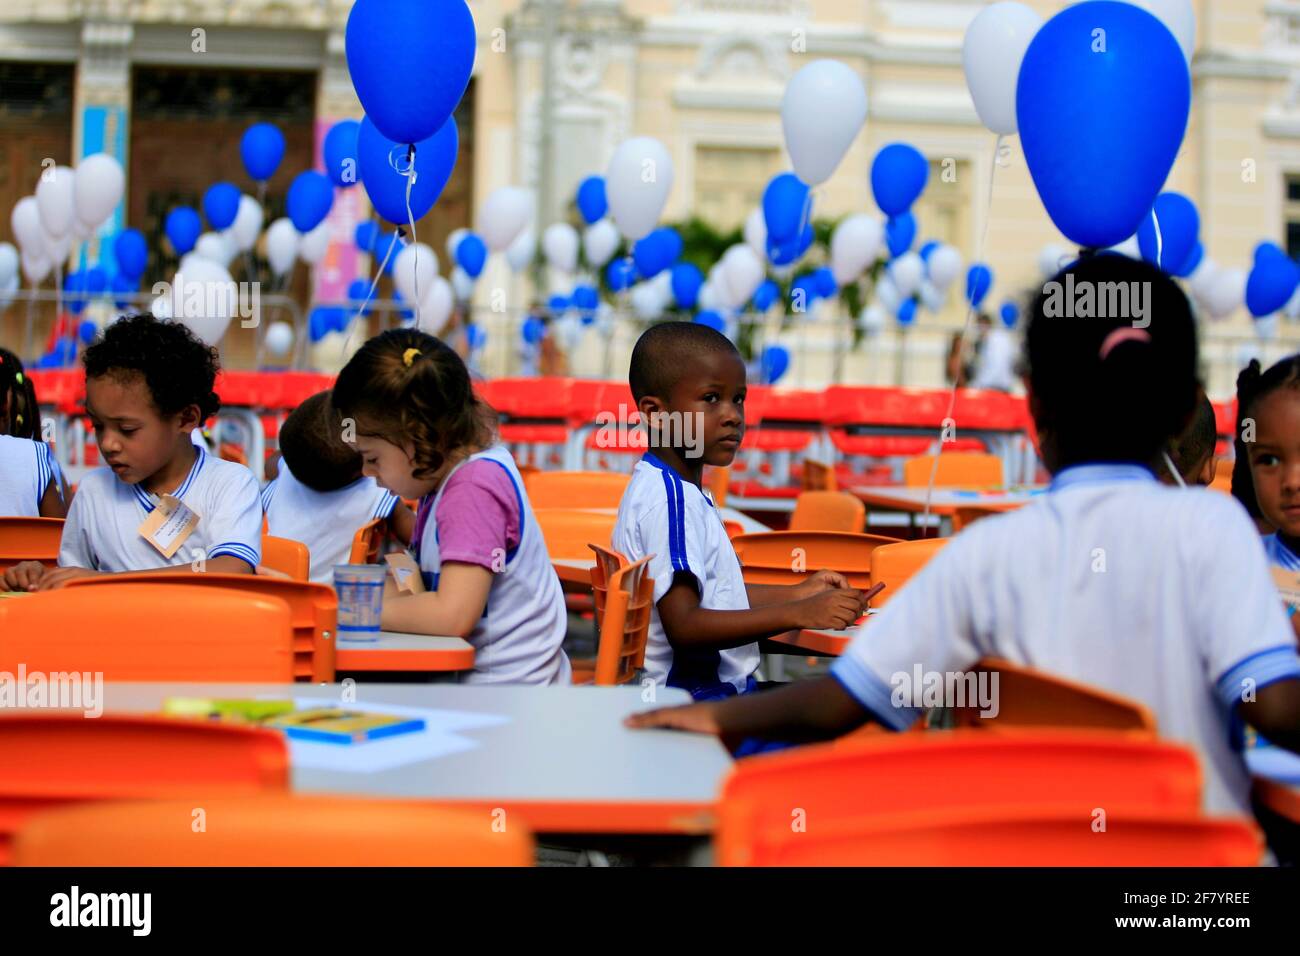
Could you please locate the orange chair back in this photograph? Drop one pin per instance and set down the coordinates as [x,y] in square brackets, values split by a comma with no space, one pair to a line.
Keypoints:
[733,527]
[862,778]
[608,563]
[895,564]
[966,469]
[367,542]
[287,557]
[313,610]
[195,634]
[576,489]
[628,598]
[29,539]
[568,532]
[819,476]
[968,515]
[772,557]
[1032,698]
[1223,475]
[271,831]
[55,759]
[828,511]
[718,480]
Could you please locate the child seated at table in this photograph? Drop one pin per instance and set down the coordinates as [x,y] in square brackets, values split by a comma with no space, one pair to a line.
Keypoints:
[160,502]
[486,575]
[319,496]
[1192,452]
[30,485]
[1110,578]
[689,384]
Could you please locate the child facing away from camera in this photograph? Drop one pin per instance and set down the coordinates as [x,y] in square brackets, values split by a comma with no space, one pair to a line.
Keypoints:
[1192,630]
[484,569]
[159,503]
[706,621]
[319,496]
[31,484]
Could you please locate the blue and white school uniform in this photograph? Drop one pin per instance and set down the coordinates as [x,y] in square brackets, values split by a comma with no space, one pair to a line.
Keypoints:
[26,469]
[519,638]
[1107,580]
[676,522]
[102,529]
[1280,556]
[325,521]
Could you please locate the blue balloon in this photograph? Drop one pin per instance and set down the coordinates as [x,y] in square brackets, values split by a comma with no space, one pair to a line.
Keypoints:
[765,295]
[687,280]
[534,330]
[325,319]
[907,312]
[310,197]
[476,335]
[386,187]
[979,280]
[1192,262]
[1272,281]
[471,254]
[825,284]
[62,355]
[406,315]
[929,248]
[785,207]
[774,361]
[656,252]
[367,236]
[339,152]
[591,199]
[784,253]
[410,61]
[87,331]
[1179,224]
[620,274]
[585,297]
[123,287]
[96,280]
[803,293]
[900,233]
[713,320]
[383,244]
[898,176]
[131,252]
[183,227]
[1101,128]
[261,149]
[221,205]
[1010,314]
[358,289]
[74,292]
[557,304]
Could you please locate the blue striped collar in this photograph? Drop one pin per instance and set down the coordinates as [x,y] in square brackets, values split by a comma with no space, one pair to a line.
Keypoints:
[148,501]
[1280,554]
[1101,473]
[650,458]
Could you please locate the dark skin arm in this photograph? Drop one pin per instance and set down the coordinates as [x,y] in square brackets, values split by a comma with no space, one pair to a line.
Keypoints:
[34,576]
[1275,713]
[761,595]
[52,502]
[402,521]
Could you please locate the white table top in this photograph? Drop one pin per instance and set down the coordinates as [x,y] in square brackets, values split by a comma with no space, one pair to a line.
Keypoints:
[947,497]
[395,641]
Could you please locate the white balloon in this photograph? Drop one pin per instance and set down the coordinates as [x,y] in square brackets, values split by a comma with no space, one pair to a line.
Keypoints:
[560,246]
[25,221]
[248,223]
[56,250]
[721,288]
[279,338]
[313,245]
[873,319]
[7,291]
[413,271]
[281,246]
[1052,259]
[436,306]
[707,299]
[1178,16]
[600,242]
[1292,309]
[742,271]
[1129,247]
[855,244]
[54,199]
[646,301]
[462,284]
[453,241]
[203,296]
[1201,281]
[215,246]
[9,263]
[756,233]
[97,188]
[36,266]
[944,266]
[907,271]
[1266,328]
[824,107]
[1226,293]
[933,298]
[521,251]
[505,214]
[637,184]
[888,294]
[992,52]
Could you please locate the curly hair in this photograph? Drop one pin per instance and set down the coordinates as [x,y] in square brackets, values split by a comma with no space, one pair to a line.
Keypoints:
[178,369]
[312,449]
[1253,383]
[18,395]
[428,403]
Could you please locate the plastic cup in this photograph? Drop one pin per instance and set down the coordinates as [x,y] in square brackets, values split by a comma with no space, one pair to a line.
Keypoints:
[360,589]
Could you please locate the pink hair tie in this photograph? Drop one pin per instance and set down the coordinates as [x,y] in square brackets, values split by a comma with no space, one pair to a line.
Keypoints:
[1124,333]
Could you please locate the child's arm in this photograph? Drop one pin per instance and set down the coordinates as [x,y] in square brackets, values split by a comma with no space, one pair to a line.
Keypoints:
[761,595]
[52,501]
[451,610]
[402,520]
[1275,713]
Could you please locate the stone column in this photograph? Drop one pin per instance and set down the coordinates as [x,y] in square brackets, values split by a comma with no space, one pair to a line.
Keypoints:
[101,114]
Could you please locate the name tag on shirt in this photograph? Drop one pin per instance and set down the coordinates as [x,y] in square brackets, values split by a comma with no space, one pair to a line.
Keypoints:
[1288,585]
[406,573]
[168,525]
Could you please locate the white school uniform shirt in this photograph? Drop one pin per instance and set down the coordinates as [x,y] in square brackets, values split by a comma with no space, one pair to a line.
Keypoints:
[1183,612]
[677,523]
[26,468]
[1280,556]
[325,521]
[102,529]
[996,365]
[518,639]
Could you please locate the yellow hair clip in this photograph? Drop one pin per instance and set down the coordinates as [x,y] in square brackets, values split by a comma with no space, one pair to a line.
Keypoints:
[409,356]
[19,378]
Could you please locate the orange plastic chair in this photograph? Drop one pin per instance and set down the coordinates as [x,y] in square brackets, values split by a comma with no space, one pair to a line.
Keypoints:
[187,633]
[1223,475]
[718,480]
[287,557]
[29,539]
[965,469]
[313,610]
[734,528]
[770,557]
[271,831]
[860,778]
[1033,698]
[1014,837]
[895,564]
[624,616]
[968,515]
[55,759]
[576,489]
[819,476]
[828,511]
[607,564]
[568,532]
[367,542]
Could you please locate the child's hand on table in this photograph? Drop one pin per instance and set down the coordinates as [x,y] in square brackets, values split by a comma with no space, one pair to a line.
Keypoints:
[823,580]
[832,610]
[57,577]
[24,576]
[696,718]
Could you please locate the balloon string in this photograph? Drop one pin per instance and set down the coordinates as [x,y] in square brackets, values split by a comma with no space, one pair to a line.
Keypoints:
[961,342]
[370,294]
[410,218]
[1159,240]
